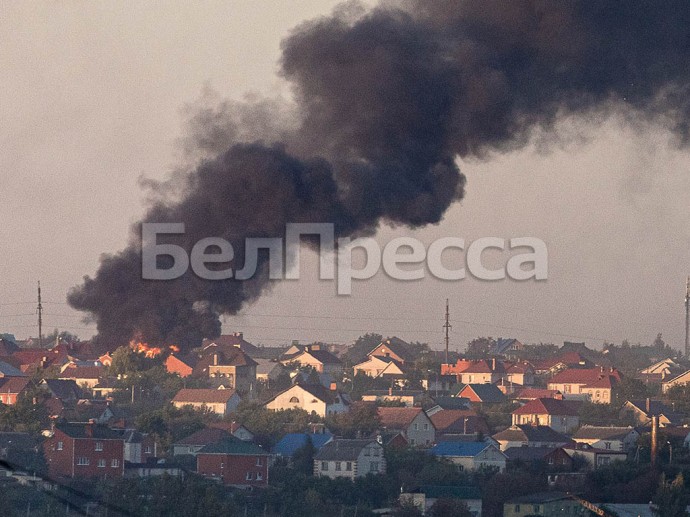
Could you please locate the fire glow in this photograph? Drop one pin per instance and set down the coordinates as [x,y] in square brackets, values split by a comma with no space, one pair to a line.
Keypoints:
[151,351]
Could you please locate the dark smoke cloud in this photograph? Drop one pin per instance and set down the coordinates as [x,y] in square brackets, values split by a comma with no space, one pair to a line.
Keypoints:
[385,102]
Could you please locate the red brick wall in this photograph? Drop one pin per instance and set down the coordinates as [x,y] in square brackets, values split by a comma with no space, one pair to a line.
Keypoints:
[64,463]
[234,468]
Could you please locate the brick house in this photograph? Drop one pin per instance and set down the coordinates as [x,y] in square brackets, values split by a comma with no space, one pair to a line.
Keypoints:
[234,462]
[349,459]
[220,401]
[84,450]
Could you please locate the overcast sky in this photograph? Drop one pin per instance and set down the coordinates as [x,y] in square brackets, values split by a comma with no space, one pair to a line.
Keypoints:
[92,97]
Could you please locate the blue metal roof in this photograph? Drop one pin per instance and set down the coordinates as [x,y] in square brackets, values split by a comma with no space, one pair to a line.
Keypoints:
[291,442]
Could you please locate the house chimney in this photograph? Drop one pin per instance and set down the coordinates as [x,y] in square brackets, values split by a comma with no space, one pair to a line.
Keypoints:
[390,391]
[648,405]
[88,429]
[493,364]
[655,438]
[239,335]
[215,359]
[334,386]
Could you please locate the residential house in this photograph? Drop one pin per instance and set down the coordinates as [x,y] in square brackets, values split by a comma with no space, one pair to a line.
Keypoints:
[481,393]
[560,415]
[268,370]
[679,380]
[470,495]
[594,384]
[196,441]
[542,503]
[236,429]
[384,367]
[471,455]
[230,367]
[11,388]
[320,360]
[538,393]
[393,348]
[641,411]
[311,398]
[220,401]
[139,447]
[540,458]
[661,371]
[482,372]
[506,346]
[438,384]
[84,450]
[458,422]
[225,341]
[234,462]
[84,376]
[519,373]
[607,438]
[408,397]
[528,435]
[411,422]
[443,403]
[553,365]
[595,457]
[289,444]
[178,365]
[350,459]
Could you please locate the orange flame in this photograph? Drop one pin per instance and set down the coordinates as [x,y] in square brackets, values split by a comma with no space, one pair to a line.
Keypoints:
[150,351]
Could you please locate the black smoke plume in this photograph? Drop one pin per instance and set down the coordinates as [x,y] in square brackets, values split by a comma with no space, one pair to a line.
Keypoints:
[386,100]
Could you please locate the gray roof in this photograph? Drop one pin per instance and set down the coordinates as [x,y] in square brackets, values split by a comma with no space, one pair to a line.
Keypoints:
[342,450]
[529,453]
[63,389]
[531,433]
[590,432]
[7,370]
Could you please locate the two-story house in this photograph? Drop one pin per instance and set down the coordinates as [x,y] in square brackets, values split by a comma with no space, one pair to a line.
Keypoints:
[311,398]
[84,450]
[607,438]
[594,384]
[560,415]
[234,462]
[412,422]
[349,459]
[471,455]
[220,401]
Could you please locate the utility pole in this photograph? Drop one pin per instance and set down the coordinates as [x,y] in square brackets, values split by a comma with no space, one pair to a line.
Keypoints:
[39,309]
[447,326]
[687,318]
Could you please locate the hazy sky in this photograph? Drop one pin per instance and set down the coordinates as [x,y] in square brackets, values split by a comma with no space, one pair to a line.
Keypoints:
[92,97]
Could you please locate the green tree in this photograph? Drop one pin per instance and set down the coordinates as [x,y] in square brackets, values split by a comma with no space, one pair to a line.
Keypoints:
[361,347]
[362,420]
[480,347]
[671,498]
[449,508]
[303,458]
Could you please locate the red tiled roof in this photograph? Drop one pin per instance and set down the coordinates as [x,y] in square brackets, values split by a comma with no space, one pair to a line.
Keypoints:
[204,437]
[13,385]
[548,407]
[82,372]
[203,396]
[452,420]
[398,417]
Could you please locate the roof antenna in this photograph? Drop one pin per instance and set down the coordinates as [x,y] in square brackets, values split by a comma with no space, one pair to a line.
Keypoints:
[39,309]
[447,326]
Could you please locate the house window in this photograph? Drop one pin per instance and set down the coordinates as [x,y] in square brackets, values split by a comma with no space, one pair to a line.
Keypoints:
[148,450]
[81,460]
[536,508]
[517,508]
[99,446]
[324,466]
[412,441]
[249,476]
[59,446]
[551,460]
[426,427]
[294,400]
[598,394]
[374,466]
[348,466]
[367,452]
[416,427]
[375,452]
[101,463]
[115,463]
[259,476]
[259,462]
[337,466]
[607,445]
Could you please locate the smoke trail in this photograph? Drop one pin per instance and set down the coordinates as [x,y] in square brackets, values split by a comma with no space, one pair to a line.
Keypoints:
[386,100]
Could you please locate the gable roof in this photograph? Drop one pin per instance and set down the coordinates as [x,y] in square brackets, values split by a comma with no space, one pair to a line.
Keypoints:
[538,393]
[590,432]
[323,356]
[530,453]
[488,393]
[63,389]
[656,407]
[452,402]
[13,385]
[82,372]
[504,344]
[397,346]
[316,390]
[80,430]
[292,442]
[531,433]
[398,417]
[458,421]
[204,437]
[7,370]
[232,340]
[233,446]
[342,450]
[583,375]
[7,347]
[459,449]
[203,396]
[549,407]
